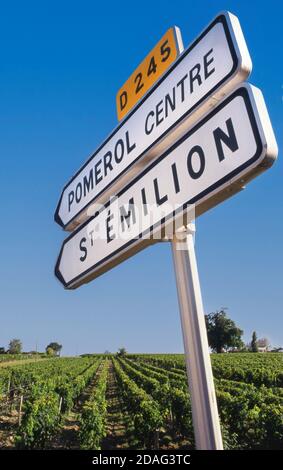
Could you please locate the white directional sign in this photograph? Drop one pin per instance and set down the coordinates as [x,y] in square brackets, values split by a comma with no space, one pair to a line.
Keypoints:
[213,160]
[207,70]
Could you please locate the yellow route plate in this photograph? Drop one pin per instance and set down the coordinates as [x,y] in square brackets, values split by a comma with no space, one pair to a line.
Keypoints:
[148,72]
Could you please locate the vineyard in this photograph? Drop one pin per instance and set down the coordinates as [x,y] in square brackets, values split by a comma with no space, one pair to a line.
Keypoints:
[139,401]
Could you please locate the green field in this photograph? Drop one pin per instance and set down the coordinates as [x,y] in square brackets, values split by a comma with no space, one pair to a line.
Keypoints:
[139,401]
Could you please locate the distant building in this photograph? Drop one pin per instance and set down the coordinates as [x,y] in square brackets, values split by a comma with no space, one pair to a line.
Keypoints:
[262,345]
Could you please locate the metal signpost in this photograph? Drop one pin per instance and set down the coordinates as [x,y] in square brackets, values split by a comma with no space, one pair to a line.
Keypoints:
[202,392]
[195,139]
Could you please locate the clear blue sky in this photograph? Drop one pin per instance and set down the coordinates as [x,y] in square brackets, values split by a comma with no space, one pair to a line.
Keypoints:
[61,64]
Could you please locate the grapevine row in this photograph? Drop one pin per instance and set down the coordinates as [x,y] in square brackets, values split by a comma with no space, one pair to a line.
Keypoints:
[146,414]
[93,416]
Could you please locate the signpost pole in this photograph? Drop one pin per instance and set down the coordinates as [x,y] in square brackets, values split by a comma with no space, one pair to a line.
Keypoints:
[202,392]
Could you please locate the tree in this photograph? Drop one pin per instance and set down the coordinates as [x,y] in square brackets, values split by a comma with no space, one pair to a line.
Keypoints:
[50,352]
[121,352]
[254,346]
[2,350]
[222,332]
[56,347]
[15,346]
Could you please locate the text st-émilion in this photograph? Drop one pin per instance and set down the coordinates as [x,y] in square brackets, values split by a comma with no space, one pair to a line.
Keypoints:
[227,148]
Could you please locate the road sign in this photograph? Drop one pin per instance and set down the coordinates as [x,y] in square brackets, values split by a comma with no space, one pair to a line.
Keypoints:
[209,68]
[212,161]
[148,72]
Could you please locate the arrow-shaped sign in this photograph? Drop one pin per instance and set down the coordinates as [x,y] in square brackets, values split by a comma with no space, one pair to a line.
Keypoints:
[205,72]
[228,147]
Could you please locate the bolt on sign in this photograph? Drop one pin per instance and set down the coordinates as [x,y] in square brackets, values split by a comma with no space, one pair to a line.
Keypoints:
[210,68]
[149,71]
[231,145]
